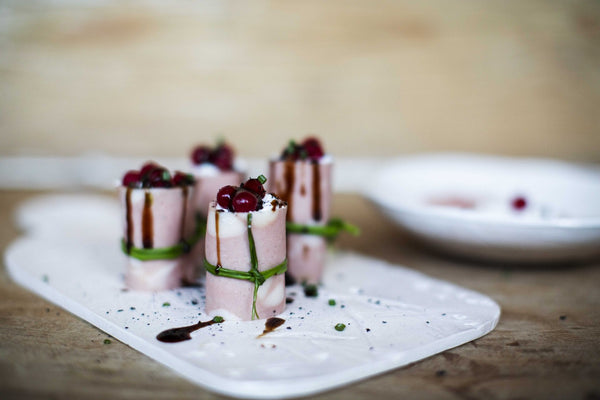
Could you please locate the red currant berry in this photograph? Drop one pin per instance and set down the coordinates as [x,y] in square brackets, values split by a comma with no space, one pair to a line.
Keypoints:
[255,186]
[225,195]
[157,178]
[313,148]
[244,201]
[201,154]
[132,178]
[147,168]
[182,179]
[519,203]
[222,157]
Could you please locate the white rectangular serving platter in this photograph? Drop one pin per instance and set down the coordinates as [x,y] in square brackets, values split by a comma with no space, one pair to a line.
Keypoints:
[70,255]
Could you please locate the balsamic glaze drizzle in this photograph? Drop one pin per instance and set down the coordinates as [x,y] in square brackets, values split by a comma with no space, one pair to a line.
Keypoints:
[271,324]
[288,177]
[175,335]
[147,222]
[316,200]
[129,238]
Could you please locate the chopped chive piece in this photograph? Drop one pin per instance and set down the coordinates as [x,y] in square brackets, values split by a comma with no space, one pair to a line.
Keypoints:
[166,304]
[107,341]
[262,179]
[330,230]
[291,147]
[218,319]
[340,327]
[45,278]
[331,302]
[311,290]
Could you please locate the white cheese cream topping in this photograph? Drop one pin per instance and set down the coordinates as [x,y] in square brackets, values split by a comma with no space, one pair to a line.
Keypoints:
[234,223]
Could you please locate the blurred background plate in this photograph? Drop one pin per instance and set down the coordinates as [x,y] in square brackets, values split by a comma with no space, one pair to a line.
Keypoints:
[502,209]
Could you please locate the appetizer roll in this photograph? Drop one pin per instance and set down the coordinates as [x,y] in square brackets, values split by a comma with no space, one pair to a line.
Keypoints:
[212,168]
[246,252]
[302,177]
[158,226]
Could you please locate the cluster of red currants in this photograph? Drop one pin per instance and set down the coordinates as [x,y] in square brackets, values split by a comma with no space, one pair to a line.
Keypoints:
[153,175]
[221,156]
[309,149]
[244,198]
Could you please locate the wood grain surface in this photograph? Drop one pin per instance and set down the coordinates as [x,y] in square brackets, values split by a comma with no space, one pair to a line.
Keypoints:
[547,344]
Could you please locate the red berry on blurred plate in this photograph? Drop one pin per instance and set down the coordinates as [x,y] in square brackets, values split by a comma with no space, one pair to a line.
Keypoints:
[519,203]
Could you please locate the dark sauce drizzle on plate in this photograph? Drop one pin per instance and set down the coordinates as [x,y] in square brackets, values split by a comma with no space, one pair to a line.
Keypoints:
[271,324]
[176,335]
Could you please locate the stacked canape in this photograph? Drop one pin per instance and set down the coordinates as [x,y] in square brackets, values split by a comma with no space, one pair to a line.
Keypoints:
[213,168]
[301,176]
[246,252]
[158,226]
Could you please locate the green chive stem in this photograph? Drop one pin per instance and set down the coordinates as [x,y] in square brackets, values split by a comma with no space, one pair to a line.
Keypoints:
[330,230]
[166,253]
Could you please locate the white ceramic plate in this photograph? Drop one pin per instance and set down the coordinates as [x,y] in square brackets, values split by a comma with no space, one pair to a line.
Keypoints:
[393,315]
[463,204]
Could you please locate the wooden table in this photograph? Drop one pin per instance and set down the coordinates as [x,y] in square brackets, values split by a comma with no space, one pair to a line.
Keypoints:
[547,344]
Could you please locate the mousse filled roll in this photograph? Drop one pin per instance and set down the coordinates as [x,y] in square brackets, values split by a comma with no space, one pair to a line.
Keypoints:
[158,226]
[246,252]
[302,177]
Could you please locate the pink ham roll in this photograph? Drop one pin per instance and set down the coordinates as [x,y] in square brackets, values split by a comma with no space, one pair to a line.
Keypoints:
[306,186]
[208,182]
[227,246]
[156,218]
